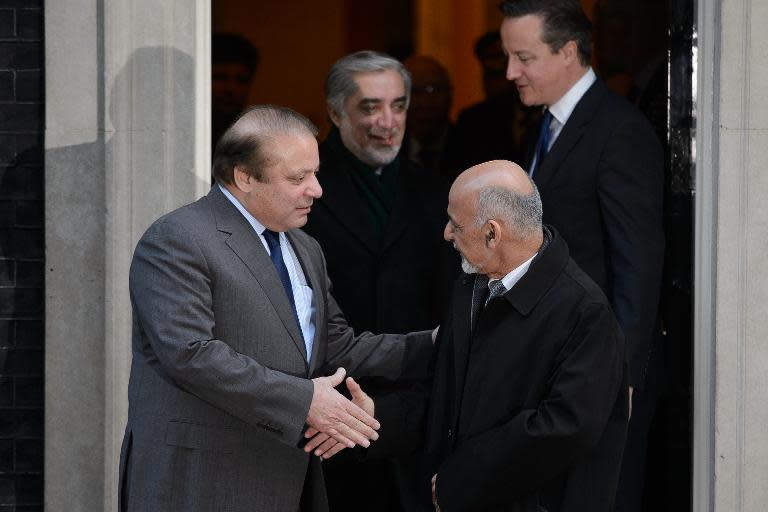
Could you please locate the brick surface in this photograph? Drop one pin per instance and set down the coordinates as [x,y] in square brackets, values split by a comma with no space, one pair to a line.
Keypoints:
[21,3]
[7,23]
[6,334]
[6,86]
[29,214]
[21,183]
[7,149]
[20,117]
[29,24]
[7,273]
[21,301]
[6,391]
[7,214]
[21,55]
[6,455]
[23,362]
[29,333]
[22,243]
[22,270]
[29,85]
[30,274]
[29,391]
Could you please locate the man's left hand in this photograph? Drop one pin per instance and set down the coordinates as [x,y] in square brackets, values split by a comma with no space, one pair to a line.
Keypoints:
[325,446]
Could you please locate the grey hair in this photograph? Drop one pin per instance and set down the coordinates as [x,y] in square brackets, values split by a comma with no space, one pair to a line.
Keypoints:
[522,212]
[245,143]
[340,83]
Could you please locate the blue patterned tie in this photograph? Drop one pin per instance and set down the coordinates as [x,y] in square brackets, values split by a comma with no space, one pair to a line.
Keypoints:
[542,146]
[497,289]
[273,241]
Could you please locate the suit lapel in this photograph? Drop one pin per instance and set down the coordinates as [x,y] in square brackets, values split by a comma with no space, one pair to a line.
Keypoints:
[315,280]
[343,200]
[573,130]
[245,243]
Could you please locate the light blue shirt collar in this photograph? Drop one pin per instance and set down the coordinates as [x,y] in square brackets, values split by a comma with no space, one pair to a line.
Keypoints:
[257,226]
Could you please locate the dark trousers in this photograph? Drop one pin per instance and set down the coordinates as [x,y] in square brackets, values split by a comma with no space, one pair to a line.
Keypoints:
[629,496]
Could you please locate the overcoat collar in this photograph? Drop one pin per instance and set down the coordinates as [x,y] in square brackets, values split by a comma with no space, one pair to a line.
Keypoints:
[541,275]
[343,199]
[524,296]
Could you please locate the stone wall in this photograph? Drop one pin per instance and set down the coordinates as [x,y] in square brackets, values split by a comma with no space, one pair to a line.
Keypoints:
[21,255]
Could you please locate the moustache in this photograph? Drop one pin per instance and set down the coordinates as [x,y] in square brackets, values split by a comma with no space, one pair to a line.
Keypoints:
[383,132]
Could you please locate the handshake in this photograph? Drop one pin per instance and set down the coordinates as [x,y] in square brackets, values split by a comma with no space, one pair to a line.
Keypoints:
[336,423]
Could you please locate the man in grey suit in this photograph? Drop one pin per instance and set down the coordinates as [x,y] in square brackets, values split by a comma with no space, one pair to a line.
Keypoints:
[233,325]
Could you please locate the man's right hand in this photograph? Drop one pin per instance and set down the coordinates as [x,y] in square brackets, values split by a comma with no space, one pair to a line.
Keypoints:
[331,413]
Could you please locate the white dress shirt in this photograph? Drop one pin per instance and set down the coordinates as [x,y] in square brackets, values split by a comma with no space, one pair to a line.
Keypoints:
[564,107]
[302,292]
[515,275]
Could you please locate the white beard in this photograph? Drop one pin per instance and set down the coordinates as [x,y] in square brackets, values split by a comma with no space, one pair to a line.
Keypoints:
[467,267]
[375,157]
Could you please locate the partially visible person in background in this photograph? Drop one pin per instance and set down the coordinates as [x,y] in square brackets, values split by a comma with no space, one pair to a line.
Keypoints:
[380,223]
[430,141]
[233,61]
[498,127]
[600,171]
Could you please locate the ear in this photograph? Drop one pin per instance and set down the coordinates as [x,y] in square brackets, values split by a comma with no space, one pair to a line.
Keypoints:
[243,180]
[570,52]
[492,232]
[335,116]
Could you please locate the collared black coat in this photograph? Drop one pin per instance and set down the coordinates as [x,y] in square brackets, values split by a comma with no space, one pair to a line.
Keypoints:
[601,186]
[529,411]
[399,283]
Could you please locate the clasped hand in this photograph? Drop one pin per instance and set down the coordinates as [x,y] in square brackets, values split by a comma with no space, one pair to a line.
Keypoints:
[336,423]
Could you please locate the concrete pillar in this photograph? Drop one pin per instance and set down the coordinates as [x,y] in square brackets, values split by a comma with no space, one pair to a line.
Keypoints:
[731,324]
[127,139]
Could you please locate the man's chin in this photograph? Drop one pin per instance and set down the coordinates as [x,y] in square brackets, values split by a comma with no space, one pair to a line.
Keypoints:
[468,268]
[381,158]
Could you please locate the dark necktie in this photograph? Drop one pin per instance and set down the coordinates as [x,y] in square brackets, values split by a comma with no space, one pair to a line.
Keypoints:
[542,145]
[496,289]
[273,241]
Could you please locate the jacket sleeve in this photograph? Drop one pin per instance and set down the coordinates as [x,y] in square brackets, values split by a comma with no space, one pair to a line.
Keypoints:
[389,356]
[171,294]
[534,445]
[630,194]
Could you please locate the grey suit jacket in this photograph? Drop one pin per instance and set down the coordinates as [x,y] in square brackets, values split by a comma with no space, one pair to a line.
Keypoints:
[219,388]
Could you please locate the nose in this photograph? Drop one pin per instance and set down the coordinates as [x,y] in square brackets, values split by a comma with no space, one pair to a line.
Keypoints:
[314,190]
[387,118]
[448,232]
[513,68]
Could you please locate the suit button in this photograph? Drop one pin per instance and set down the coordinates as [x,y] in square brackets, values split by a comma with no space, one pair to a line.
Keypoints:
[450,433]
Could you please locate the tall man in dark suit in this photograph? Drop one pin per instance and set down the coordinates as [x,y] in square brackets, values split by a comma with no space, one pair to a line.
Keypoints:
[379,224]
[232,318]
[528,404]
[598,165]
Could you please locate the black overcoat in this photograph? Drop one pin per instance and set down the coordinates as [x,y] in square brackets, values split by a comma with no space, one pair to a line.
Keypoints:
[530,409]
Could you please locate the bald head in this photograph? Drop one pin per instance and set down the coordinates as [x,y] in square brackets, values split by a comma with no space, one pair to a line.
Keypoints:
[501,191]
[495,218]
[496,173]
